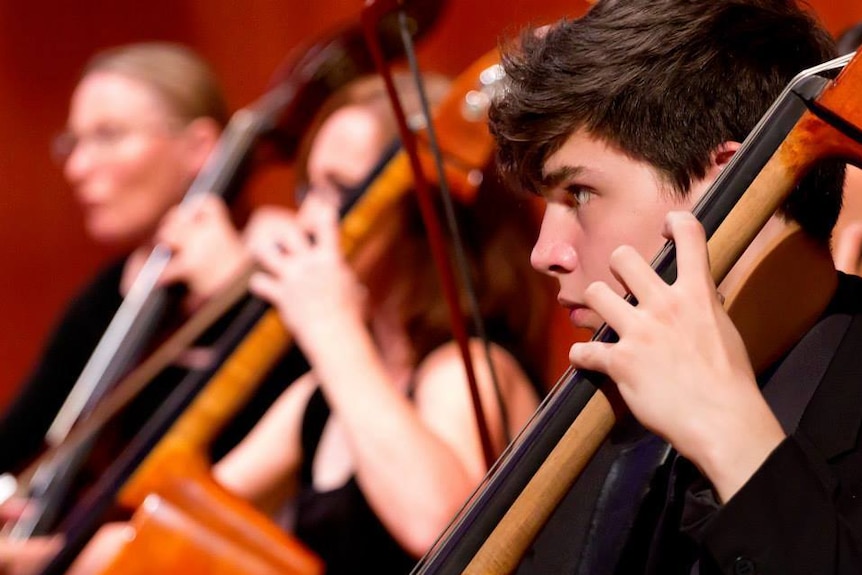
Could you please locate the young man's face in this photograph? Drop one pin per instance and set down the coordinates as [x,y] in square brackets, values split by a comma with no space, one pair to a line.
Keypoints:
[599,198]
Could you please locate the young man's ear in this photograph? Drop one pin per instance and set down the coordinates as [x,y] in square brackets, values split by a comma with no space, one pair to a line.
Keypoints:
[718,160]
[721,156]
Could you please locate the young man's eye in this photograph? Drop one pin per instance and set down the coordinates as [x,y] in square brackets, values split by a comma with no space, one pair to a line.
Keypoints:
[578,195]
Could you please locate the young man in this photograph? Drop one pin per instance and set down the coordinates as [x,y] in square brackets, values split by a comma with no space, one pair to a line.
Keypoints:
[621,120]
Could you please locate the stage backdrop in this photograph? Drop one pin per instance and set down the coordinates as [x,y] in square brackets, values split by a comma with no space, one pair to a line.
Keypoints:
[44,254]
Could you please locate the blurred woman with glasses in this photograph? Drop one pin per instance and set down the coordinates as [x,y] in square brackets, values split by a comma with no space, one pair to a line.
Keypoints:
[142,121]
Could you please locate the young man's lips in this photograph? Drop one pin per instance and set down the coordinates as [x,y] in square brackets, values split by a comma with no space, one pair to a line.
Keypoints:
[575,312]
[574,309]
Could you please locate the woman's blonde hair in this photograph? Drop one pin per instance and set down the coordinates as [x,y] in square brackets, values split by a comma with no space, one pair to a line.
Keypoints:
[183,80]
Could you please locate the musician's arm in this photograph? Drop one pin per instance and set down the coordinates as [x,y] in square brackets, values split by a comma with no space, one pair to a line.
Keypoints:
[257,472]
[796,514]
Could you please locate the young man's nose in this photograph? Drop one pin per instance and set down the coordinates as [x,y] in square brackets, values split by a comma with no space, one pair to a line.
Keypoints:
[553,259]
[552,255]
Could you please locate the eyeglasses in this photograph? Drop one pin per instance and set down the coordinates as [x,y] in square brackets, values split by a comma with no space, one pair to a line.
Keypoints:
[102,140]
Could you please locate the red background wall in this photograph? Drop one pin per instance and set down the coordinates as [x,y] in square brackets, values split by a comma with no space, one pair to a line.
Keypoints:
[44,253]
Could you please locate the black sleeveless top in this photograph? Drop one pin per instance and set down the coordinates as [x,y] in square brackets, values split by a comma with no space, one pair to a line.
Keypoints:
[339,525]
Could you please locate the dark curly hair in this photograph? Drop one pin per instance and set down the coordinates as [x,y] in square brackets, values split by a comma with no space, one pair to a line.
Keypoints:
[666,81]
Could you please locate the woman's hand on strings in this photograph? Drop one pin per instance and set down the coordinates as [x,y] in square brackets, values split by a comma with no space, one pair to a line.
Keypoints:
[304,273]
